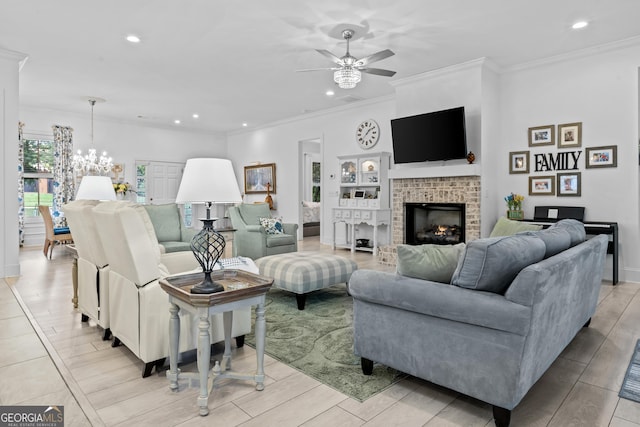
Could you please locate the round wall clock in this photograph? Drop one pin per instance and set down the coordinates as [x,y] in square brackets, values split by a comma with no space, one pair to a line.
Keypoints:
[367,134]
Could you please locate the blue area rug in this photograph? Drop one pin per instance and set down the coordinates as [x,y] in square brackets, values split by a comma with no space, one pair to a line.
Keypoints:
[631,384]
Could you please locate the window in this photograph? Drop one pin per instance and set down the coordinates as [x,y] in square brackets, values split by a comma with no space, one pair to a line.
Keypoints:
[38,175]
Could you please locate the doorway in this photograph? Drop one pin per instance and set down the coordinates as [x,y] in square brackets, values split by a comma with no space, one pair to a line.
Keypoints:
[310,189]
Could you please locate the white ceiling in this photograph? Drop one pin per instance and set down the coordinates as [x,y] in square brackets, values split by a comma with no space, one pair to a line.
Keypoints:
[233,61]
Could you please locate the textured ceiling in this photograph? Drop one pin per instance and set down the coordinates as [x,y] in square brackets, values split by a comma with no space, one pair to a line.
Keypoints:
[235,61]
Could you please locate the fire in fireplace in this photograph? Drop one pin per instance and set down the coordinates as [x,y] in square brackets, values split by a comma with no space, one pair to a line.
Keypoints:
[435,223]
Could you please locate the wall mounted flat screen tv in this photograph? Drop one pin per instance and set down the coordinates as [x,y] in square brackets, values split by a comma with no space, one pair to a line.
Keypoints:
[439,135]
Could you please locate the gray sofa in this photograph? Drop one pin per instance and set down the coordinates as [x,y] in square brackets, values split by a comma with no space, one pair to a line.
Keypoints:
[513,305]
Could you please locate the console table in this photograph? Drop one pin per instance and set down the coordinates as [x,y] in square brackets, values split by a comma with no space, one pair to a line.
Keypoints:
[241,289]
[593,228]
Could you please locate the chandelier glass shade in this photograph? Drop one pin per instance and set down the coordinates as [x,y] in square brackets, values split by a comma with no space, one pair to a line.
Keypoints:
[91,164]
[347,77]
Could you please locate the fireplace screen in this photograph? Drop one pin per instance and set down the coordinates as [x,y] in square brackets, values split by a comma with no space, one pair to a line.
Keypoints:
[435,223]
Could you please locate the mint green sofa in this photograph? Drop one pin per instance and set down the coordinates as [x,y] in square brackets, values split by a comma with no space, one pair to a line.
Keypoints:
[169,226]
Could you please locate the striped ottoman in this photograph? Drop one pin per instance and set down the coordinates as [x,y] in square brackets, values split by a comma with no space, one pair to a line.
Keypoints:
[303,272]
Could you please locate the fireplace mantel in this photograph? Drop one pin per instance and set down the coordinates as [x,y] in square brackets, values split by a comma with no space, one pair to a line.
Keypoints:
[435,171]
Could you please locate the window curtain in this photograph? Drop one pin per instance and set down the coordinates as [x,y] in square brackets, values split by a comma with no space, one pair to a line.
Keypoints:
[63,179]
[20,183]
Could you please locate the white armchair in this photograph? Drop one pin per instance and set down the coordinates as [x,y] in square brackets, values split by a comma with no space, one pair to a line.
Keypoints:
[93,266]
[138,307]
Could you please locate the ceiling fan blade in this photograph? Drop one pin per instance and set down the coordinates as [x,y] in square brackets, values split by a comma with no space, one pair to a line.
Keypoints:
[375,57]
[317,69]
[331,56]
[378,71]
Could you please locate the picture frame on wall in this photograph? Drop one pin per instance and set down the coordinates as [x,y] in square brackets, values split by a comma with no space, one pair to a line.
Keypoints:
[602,157]
[518,162]
[256,178]
[570,135]
[569,184]
[542,185]
[542,135]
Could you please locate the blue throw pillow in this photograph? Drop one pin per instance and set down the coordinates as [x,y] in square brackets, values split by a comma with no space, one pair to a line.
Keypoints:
[491,264]
[555,239]
[574,227]
[61,230]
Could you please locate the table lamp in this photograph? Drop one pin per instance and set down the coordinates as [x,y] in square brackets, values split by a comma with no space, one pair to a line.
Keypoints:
[208,181]
[96,188]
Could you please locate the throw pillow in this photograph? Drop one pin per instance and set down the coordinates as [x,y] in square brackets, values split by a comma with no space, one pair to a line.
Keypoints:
[272,225]
[574,227]
[429,262]
[491,264]
[555,239]
[507,227]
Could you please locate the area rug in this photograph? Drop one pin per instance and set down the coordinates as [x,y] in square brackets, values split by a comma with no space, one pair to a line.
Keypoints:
[631,384]
[318,341]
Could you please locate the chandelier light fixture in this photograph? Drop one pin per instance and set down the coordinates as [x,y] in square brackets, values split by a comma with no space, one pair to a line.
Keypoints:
[347,77]
[91,163]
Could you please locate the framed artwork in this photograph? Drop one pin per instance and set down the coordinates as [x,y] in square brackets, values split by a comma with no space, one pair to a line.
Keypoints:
[118,172]
[542,185]
[568,184]
[542,135]
[570,135]
[257,177]
[602,157]
[518,162]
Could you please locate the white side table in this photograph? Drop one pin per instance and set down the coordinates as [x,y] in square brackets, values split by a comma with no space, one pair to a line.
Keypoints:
[241,289]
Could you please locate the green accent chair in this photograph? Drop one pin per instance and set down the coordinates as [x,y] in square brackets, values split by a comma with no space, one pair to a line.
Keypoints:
[251,240]
[169,226]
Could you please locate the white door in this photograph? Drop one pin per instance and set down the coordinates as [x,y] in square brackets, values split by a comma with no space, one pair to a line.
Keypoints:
[163,181]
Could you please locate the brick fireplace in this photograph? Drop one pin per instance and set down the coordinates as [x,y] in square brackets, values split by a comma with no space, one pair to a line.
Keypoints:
[457,189]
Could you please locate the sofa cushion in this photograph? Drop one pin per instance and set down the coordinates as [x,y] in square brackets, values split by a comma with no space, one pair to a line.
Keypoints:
[166,221]
[491,264]
[429,262]
[574,227]
[508,227]
[176,246]
[274,240]
[555,239]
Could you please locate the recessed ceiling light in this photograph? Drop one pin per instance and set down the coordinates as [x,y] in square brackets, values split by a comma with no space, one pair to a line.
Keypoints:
[330,93]
[195,116]
[579,24]
[244,125]
[176,121]
[133,38]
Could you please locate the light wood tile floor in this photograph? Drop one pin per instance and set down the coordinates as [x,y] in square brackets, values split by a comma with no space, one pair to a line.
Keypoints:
[47,356]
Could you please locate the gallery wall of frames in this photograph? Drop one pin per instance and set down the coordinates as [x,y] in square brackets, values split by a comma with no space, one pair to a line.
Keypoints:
[557,173]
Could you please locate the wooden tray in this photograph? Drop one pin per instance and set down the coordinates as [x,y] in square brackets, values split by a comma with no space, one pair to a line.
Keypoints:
[238,284]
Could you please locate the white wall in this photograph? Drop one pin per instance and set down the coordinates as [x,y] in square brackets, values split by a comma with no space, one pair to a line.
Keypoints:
[599,89]
[279,142]
[126,142]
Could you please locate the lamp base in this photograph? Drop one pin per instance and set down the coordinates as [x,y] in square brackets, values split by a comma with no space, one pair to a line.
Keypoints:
[207,286]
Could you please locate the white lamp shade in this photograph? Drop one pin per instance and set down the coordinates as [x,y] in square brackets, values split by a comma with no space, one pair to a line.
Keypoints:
[96,188]
[208,180]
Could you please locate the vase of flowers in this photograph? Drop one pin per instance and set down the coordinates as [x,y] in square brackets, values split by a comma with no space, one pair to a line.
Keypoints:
[121,189]
[514,206]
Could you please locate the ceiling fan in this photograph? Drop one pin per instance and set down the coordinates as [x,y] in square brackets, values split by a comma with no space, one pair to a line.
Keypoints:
[348,73]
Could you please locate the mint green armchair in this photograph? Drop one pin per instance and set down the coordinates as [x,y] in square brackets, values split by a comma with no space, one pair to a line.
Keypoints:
[169,227]
[251,240]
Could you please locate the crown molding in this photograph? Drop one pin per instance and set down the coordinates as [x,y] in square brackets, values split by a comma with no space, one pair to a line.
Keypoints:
[576,54]
[473,64]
